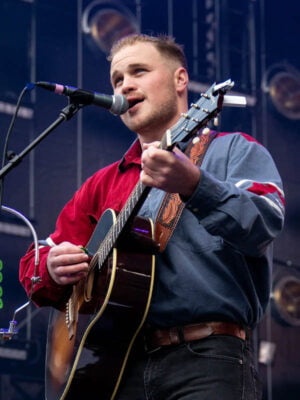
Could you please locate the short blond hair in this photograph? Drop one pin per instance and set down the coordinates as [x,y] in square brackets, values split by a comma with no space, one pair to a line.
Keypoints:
[165,44]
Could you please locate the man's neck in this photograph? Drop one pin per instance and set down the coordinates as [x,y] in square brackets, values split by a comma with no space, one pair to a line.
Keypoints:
[155,134]
[149,137]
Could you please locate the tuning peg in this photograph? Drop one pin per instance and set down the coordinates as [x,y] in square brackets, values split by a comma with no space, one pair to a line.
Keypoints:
[185,115]
[205,95]
[206,131]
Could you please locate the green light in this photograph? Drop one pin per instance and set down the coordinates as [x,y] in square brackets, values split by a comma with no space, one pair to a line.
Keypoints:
[1,265]
[1,304]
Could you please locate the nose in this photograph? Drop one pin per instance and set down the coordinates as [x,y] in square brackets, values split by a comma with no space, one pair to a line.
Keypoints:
[128,84]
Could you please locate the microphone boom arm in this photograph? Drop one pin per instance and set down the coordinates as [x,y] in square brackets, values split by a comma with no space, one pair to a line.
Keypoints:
[65,114]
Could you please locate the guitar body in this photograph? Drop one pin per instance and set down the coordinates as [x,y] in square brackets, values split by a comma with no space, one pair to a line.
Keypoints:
[89,342]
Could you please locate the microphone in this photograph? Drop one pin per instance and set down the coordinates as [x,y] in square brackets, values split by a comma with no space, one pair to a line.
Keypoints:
[116,104]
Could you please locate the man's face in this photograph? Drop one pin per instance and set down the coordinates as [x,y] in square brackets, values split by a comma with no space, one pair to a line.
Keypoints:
[147,80]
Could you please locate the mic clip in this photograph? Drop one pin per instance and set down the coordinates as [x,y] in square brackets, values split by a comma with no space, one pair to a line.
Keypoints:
[7,334]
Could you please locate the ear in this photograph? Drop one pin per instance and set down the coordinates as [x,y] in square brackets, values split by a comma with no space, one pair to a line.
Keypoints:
[181,79]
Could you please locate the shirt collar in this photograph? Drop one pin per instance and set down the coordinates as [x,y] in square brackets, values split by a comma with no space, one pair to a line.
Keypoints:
[132,156]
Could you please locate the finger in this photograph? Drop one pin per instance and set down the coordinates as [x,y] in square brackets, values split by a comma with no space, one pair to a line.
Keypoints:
[70,279]
[152,179]
[154,160]
[69,259]
[70,274]
[61,270]
[155,144]
[66,247]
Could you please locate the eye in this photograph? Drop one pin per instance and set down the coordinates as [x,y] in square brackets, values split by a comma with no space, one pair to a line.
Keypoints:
[139,70]
[117,81]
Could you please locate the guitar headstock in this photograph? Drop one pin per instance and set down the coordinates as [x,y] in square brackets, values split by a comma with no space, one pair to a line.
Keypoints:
[200,113]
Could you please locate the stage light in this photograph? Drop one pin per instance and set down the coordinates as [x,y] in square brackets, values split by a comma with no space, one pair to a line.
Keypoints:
[286,299]
[107,21]
[266,352]
[282,82]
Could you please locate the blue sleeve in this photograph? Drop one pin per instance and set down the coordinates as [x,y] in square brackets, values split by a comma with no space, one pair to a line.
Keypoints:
[239,196]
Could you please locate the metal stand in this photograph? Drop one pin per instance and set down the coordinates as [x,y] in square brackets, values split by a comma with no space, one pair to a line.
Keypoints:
[7,334]
[67,113]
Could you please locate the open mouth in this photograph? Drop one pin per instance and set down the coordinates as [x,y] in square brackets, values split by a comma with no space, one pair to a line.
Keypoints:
[133,102]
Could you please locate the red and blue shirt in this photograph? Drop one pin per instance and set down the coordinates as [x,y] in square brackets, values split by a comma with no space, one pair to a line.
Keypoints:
[217,264]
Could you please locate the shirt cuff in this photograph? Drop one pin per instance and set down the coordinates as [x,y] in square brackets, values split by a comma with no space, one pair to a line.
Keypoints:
[206,197]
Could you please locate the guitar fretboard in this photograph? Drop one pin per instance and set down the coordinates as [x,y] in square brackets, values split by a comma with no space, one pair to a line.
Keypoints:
[125,218]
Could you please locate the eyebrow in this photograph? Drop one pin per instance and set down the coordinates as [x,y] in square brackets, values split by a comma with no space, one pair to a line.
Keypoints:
[129,67]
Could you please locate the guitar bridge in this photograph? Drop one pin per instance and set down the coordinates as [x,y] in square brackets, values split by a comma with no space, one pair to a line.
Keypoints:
[71,316]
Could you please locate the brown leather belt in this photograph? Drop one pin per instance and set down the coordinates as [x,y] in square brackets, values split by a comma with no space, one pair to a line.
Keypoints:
[171,336]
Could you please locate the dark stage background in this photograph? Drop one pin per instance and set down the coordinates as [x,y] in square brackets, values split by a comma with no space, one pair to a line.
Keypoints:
[248,41]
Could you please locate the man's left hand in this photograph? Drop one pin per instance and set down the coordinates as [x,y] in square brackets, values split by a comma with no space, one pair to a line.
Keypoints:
[171,171]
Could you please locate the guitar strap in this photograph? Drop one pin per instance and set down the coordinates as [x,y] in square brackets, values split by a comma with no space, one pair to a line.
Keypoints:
[172,206]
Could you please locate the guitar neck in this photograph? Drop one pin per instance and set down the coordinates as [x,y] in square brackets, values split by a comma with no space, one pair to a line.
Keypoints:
[131,208]
[124,219]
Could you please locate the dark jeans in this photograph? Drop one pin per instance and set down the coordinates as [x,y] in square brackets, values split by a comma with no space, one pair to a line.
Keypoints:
[214,368]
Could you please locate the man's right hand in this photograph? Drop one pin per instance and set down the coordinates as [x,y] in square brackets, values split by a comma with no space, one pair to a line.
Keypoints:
[67,263]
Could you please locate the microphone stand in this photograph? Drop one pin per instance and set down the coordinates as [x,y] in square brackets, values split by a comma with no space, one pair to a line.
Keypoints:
[65,114]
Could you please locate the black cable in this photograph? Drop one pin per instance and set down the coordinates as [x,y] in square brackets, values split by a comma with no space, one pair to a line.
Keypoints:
[28,87]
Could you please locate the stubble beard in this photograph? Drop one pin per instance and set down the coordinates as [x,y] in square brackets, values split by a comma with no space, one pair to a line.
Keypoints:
[154,124]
